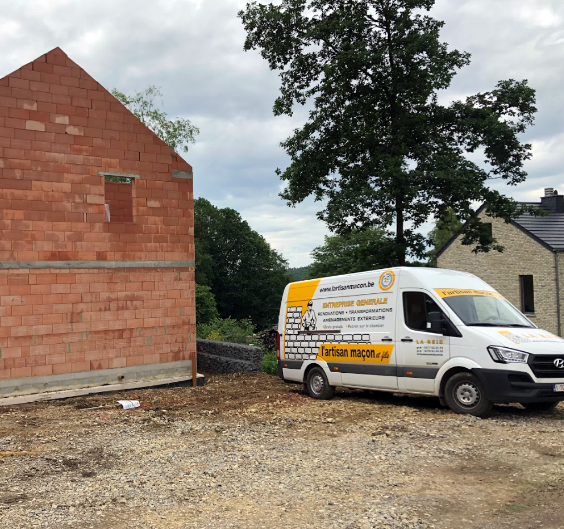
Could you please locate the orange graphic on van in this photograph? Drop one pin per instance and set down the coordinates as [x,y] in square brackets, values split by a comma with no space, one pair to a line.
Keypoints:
[356,352]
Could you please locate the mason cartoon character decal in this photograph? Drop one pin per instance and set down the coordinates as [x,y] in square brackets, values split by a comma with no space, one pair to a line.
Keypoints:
[309,320]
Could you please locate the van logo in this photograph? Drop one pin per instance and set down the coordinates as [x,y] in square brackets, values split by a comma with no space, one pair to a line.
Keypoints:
[387,280]
[559,363]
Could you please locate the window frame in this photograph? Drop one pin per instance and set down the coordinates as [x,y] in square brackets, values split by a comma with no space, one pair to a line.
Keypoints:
[406,322]
[450,329]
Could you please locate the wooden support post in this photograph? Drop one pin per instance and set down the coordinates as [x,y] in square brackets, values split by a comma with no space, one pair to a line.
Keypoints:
[194,370]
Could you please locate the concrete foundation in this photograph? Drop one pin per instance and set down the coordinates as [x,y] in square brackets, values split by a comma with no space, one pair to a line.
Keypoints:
[117,378]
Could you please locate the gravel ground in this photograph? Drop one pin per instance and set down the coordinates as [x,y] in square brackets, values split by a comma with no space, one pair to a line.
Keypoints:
[251,451]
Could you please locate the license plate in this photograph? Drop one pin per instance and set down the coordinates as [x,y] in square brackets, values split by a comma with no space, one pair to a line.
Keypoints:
[558,387]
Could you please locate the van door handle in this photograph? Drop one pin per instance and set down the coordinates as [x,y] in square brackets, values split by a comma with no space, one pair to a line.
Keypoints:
[407,339]
[387,339]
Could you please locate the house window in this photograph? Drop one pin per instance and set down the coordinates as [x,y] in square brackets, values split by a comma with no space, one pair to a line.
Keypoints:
[527,294]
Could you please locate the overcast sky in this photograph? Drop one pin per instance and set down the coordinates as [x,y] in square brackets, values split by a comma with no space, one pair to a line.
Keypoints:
[193,51]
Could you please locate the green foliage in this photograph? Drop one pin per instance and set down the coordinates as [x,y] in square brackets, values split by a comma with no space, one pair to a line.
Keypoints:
[445,228]
[378,146]
[246,276]
[206,308]
[356,251]
[176,133]
[270,363]
[226,330]
[298,274]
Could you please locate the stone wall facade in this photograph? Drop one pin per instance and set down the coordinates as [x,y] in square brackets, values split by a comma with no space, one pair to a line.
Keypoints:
[522,256]
[94,274]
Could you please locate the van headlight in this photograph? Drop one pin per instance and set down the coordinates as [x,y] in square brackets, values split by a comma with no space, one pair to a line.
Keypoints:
[504,355]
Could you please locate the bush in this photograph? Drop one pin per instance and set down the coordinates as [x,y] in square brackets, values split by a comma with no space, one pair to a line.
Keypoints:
[227,330]
[270,363]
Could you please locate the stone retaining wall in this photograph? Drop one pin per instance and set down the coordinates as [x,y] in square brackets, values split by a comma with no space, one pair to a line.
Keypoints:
[223,357]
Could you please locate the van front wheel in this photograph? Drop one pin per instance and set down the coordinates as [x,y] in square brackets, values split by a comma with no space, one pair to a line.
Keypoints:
[464,393]
[317,385]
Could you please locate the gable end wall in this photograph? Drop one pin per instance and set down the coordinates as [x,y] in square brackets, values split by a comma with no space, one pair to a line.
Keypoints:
[79,294]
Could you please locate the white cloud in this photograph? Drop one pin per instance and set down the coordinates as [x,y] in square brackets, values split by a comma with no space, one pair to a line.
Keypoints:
[538,16]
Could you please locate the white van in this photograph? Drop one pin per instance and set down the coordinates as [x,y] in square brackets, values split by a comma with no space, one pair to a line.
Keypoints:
[423,331]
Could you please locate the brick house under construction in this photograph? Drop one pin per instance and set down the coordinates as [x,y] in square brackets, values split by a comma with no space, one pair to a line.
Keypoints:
[96,276]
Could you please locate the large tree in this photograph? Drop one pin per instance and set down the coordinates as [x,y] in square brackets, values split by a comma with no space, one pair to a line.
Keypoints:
[356,251]
[379,147]
[246,276]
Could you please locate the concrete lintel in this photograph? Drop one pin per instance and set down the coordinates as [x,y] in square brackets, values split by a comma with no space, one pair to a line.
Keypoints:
[12,265]
[120,175]
[188,175]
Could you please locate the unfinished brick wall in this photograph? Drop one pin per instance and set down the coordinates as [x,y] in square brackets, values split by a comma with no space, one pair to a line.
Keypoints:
[59,130]
[63,321]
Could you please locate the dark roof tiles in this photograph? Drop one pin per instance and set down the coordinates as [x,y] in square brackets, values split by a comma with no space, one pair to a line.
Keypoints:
[549,229]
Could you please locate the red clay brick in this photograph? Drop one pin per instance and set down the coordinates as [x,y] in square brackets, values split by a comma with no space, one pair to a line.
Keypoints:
[20,372]
[43,370]
[18,113]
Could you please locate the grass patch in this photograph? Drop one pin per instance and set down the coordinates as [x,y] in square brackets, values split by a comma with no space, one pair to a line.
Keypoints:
[512,507]
[554,417]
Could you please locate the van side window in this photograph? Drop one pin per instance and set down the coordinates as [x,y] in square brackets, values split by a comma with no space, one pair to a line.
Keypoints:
[417,306]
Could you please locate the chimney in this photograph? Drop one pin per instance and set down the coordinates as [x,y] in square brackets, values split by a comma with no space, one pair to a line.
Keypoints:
[552,201]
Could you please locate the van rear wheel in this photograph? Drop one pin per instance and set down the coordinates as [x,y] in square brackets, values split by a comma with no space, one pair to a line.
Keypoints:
[317,385]
[464,393]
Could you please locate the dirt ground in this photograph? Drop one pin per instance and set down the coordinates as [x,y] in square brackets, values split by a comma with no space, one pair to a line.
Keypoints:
[252,451]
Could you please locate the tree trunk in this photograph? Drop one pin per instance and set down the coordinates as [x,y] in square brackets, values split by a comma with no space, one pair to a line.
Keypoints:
[399,232]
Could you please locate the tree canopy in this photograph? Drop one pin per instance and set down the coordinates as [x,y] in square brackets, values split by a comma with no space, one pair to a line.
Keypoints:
[356,251]
[246,276]
[176,133]
[206,308]
[442,232]
[299,273]
[379,147]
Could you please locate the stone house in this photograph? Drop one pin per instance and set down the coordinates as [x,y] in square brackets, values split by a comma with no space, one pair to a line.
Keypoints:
[530,271]
[96,238]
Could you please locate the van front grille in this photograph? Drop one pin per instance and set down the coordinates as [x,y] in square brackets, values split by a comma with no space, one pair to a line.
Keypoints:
[545,367]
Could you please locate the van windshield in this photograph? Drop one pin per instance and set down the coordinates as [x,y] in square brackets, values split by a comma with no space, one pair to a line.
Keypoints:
[486,311]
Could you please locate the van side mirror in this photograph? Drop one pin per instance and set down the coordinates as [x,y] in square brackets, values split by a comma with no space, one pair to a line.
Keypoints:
[436,323]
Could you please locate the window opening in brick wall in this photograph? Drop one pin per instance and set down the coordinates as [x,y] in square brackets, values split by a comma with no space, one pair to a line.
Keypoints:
[118,192]
[527,294]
